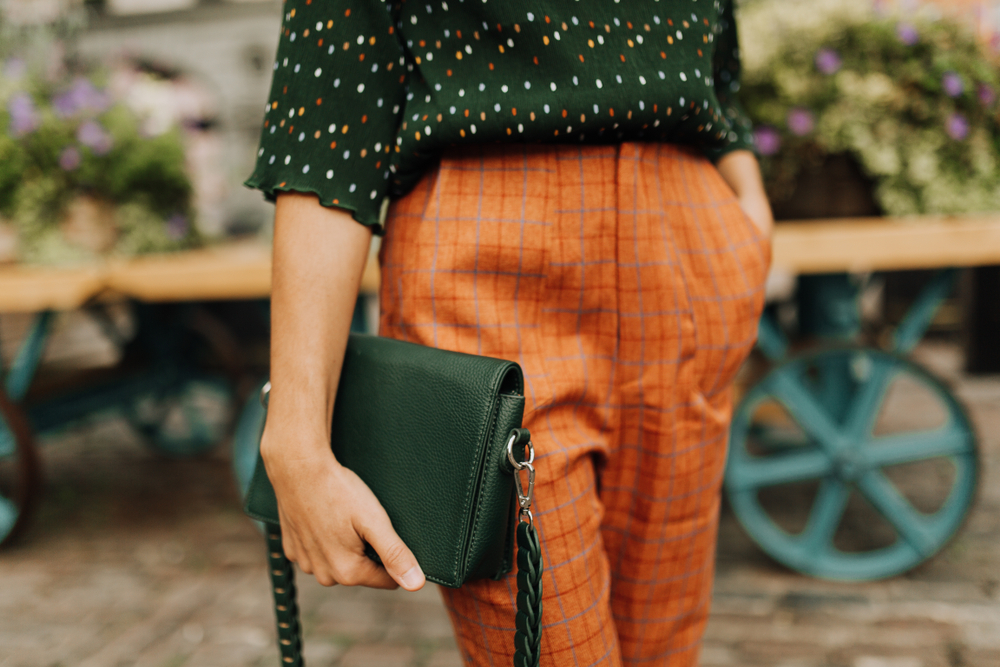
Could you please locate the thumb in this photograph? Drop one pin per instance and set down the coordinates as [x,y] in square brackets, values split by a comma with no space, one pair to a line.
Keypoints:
[396,557]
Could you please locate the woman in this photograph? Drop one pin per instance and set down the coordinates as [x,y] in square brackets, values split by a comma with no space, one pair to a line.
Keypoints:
[555,203]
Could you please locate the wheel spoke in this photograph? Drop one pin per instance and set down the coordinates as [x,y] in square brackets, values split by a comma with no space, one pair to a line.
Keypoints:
[916,446]
[868,399]
[891,504]
[8,517]
[754,473]
[825,516]
[8,446]
[808,413]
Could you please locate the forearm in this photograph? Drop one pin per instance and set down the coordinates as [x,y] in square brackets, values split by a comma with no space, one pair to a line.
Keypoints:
[319,254]
[740,170]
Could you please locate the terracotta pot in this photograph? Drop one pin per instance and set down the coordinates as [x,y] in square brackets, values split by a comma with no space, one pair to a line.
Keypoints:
[89,223]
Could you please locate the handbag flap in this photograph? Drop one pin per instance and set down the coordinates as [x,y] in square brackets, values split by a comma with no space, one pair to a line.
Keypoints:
[417,425]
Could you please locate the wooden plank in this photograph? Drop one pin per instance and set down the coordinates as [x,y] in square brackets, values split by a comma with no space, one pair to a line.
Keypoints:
[232,271]
[873,244]
[32,289]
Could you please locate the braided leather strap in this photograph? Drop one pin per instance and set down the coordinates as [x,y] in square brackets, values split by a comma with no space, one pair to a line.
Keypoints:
[528,637]
[286,607]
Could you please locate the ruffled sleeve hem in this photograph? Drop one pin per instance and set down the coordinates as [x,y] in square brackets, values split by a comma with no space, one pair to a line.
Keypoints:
[370,215]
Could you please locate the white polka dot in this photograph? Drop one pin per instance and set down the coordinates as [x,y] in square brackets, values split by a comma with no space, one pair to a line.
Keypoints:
[662,75]
[329,51]
[378,147]
[682,101]
[520,127]
[379,103]
[697,72]
[288,159]
[683,76]
[642,80]
[600,39]
[430,56]
[318,71]
[271,161]
[427,130]
[482,87]
[680,35]
[468,49]
[332,129]
[552,86]
[347,154]
[461,92]
[527,85]
[361,87]
[576,21]
[595,108]
[656,20]
[618,78]
[437,86]
[319,26]
[556,34]
[375,69]
[297,68]
[510,43]
[638,39]
[374,194]
[302,136]
[336,83]
[503,88]
[496,107]
[361,39]
[305,169]
[531,17]
[260,152]
[642,105]
[576,81]
[546,107]
[292,38]
[354,186]
[413,20]
[273,128]
[291,112]
[473,128]
[329,173]
[599,84]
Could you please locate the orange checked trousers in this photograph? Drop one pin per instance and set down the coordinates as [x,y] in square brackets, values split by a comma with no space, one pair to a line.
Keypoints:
[627,282]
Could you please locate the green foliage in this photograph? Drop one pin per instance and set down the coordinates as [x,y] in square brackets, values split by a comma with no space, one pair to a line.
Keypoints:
[63,136]
[915,103]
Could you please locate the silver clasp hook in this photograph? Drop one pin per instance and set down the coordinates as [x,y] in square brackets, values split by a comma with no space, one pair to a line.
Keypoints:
[524,500]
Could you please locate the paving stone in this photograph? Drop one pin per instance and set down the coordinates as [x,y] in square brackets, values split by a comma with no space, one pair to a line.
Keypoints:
[378,655]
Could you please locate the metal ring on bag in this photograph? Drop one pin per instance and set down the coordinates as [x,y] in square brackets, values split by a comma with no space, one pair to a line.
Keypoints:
[265,392]
[510,453]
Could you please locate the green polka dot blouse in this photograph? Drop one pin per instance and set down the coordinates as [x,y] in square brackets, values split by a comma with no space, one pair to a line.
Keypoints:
[366,94]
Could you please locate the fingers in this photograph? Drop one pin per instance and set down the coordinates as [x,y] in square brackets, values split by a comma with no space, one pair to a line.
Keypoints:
[397,559]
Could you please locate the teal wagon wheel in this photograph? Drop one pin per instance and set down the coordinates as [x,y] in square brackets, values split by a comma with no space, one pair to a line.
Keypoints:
[186,418]
[20,473]
[851,464]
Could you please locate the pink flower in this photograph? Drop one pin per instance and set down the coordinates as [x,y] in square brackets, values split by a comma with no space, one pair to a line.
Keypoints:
[951,84]
[801,121]
[70,158]
[957,127]
[828,61]
[767,140]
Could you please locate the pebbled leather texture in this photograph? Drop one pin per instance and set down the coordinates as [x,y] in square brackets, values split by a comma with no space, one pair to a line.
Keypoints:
[426,429]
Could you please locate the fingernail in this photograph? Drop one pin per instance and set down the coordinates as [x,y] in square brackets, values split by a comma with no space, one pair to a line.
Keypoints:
[414,578]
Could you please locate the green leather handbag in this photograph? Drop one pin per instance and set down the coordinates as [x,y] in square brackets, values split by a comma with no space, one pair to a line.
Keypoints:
[436,436]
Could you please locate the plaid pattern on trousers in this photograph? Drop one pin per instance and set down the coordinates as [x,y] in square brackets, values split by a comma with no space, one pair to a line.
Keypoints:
[627,282]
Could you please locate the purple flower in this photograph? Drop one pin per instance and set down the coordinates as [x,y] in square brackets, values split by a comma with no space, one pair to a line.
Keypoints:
[14,69]
[70,158]
[92,135]
[952,84]
[81,96]
[828,61]
[907,33]
[957,127]
[177,226]
[24,117]
[987,96]
[767,140]
[801,121]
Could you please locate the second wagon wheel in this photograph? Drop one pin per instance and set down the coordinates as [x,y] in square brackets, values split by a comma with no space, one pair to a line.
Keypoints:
[20,473]
[851,464]
[187,406]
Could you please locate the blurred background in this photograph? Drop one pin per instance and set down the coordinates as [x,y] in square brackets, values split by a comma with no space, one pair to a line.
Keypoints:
[861,520]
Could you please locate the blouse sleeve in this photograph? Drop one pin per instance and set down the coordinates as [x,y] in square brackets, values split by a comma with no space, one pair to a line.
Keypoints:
[726,66]
[338,86]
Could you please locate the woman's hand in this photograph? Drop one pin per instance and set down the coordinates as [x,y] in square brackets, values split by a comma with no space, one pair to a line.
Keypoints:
[327,513]
[741,171]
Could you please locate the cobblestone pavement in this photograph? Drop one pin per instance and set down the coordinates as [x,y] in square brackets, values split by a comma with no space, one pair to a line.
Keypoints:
[138,560]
